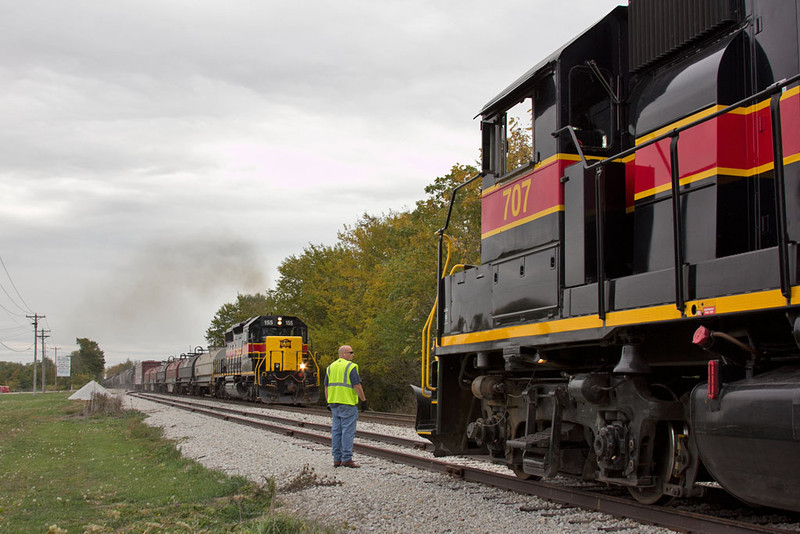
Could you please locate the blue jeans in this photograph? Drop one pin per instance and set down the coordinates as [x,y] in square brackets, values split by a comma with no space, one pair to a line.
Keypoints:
[343,430]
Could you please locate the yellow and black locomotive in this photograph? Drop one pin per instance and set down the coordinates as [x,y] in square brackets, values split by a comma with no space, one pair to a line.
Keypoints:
[267,358]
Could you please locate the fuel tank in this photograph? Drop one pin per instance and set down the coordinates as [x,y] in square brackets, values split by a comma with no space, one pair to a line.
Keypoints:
[749,437]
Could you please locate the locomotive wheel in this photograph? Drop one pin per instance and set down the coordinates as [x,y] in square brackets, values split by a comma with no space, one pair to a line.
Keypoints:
[665,453]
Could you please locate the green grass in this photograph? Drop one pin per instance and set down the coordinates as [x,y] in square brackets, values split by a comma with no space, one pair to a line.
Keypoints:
[63,471]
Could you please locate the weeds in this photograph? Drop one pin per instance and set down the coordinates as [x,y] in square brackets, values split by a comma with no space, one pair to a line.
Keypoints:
[308,478]
[108,472]
[102,404]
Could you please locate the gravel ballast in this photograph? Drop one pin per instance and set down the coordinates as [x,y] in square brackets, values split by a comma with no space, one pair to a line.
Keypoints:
[381,496]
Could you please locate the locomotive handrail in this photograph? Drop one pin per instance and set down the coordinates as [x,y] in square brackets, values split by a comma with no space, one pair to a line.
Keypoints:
[439,269]
[780,196]
[426,388]
[316,365]
[774,92]
[677,235]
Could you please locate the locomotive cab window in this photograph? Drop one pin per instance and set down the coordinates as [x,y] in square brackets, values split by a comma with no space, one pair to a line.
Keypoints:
[517,136]
[589,109]
[508,138]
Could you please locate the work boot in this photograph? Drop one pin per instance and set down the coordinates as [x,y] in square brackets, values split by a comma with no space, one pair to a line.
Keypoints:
[350,463]
[337,464]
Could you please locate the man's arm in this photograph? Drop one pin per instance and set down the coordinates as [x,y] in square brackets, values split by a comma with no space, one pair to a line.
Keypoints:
[360,392]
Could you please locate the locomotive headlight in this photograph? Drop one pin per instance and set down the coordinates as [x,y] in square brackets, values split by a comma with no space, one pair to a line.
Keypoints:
[302,367]
[280,321]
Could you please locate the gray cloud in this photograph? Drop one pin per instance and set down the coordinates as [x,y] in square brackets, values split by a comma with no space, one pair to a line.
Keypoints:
[161,156]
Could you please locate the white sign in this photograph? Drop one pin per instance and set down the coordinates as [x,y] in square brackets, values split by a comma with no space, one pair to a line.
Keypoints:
[63,365]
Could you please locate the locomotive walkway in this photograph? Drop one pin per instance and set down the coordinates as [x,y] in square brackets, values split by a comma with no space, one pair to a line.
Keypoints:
[680,520]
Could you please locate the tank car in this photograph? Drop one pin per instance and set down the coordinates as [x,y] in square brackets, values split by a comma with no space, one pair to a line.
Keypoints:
[160,382]
[267,358]
[186,370]
[171,374]
[203,377]
[149,378]
[635,318]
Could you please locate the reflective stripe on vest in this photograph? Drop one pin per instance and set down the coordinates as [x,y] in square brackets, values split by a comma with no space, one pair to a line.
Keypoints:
[340,389]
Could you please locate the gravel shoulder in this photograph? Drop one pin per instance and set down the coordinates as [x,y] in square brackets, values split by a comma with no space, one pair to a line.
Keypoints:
[380,497]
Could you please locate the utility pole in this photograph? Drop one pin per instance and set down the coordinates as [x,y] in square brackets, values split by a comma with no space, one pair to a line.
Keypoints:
[42,335]
[35,318]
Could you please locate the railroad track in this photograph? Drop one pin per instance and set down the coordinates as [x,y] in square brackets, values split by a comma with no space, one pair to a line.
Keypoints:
[369,416]
[676,519]
[384,418]
[217,410]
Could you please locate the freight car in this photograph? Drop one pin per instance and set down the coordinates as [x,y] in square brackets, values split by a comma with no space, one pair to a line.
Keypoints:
[140,369]
[121,380]
[635,318]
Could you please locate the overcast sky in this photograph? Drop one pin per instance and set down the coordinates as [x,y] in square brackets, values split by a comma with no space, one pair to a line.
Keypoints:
[159,157]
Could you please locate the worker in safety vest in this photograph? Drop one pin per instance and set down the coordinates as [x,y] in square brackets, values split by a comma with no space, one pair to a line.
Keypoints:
[343,391]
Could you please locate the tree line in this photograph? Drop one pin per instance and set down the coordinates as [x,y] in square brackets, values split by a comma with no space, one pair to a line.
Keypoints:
[87,363]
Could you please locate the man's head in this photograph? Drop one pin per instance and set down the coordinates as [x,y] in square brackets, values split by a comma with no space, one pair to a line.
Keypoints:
[346,352]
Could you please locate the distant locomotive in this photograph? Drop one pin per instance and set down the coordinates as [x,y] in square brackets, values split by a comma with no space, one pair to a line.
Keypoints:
[266,358]
[636,315]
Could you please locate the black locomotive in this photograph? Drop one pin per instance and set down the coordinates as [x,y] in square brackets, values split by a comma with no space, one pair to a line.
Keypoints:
[636,315]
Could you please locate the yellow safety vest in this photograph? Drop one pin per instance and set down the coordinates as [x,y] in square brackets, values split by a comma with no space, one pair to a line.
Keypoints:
[340,390]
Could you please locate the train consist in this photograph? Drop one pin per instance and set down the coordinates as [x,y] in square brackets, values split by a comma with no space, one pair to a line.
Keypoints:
[635,318]
[266,358]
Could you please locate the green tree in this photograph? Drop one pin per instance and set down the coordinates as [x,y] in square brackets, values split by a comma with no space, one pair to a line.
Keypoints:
[314,286]
[17,376]
[88,361]
[465,219]
[520,144]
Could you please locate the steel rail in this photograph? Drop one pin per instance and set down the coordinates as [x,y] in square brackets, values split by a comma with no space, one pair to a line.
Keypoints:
[382,417]
[664,517]
[202,408]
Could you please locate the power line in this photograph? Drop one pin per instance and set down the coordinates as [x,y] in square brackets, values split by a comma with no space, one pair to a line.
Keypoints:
[26,308]
[16,350]
[49,327]
[18,328]
[6,309]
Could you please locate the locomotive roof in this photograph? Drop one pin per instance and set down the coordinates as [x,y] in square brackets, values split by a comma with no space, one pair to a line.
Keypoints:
[240,326]
[542,69]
